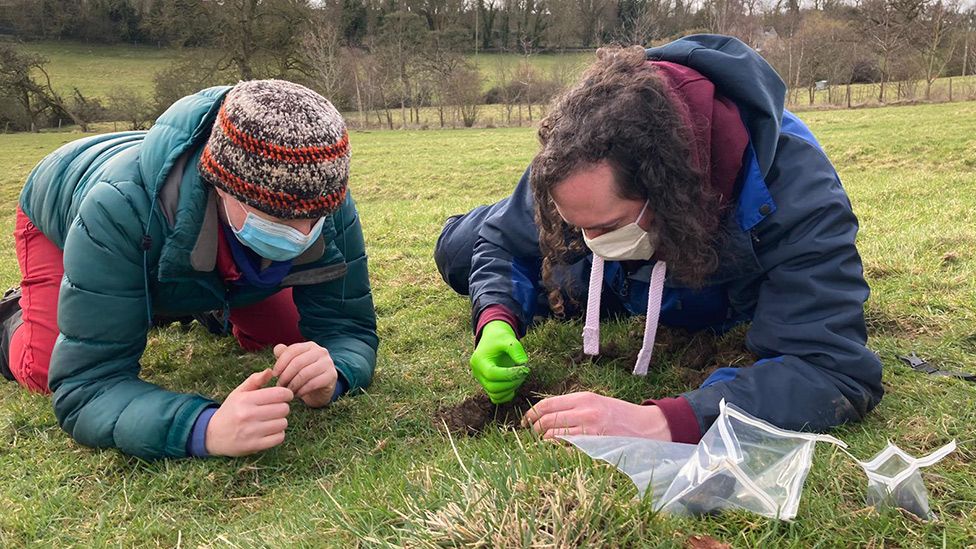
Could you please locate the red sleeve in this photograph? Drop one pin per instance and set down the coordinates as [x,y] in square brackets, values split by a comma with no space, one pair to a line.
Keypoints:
[680,417]
[495,312]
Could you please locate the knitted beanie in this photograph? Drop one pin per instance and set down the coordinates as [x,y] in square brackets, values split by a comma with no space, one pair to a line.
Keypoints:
[279,147]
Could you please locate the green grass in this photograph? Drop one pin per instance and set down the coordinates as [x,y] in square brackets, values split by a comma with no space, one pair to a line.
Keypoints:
[375,470]
[496,67]
[98,70]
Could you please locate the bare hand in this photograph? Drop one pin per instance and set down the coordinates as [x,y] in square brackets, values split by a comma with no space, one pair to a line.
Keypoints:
[251,419]
[307,369]
[592,414]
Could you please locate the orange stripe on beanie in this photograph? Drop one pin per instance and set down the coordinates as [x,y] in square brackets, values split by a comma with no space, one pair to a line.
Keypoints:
[326,153]
[279,147]
[273,201]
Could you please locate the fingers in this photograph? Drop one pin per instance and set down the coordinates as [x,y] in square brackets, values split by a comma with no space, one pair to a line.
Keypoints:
[499,387]
[287,354]
[487,371]
[254,381]
[270,395]
[559,420]
[278,349]
[516,352]
[322,366]
[562,432]
[266,442]
[268,412]
[267,428]
[501,398]
[322,381]
[295,367]
[552,405]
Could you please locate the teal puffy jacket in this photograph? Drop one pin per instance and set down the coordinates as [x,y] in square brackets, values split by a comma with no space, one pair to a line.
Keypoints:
[139,232]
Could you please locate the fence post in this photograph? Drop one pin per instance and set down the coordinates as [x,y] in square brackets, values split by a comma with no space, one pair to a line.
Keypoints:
[848,95]
[950,90]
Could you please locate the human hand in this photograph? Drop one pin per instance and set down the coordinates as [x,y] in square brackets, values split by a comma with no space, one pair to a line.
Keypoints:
[251,419]
[307,369]
[497,362]
[588,413]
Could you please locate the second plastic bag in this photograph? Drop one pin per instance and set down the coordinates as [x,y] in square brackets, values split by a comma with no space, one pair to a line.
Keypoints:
[741,463]
[894,479]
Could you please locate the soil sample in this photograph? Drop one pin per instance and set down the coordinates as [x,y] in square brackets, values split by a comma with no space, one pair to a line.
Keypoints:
[476,413]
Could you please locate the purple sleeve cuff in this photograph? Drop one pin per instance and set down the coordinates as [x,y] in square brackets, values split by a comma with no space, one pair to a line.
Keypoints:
[197,445]
[495,312]
[341,387]
[680,417]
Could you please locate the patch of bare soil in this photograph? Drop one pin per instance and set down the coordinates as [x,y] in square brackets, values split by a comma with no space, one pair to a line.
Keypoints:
[476,414]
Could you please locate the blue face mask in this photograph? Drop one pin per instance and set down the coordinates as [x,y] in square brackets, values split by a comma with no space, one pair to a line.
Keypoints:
[272,240]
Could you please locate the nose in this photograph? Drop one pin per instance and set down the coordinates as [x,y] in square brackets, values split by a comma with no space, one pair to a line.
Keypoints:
[593,233]
[306,226]
[303,226]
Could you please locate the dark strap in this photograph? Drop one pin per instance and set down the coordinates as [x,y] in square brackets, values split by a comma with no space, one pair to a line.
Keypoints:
[919,364]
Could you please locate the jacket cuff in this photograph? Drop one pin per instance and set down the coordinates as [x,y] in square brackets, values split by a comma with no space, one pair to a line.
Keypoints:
[680,417]
[495,312]
[196,446]
[341,387]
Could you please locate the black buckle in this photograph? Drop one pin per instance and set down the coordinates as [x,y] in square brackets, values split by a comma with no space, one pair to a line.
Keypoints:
[919,364]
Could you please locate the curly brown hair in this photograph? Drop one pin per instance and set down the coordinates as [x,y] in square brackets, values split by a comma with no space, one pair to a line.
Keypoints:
[622,112]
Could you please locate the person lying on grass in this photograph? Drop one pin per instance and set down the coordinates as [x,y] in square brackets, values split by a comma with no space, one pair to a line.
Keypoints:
[235,201]
[671,182]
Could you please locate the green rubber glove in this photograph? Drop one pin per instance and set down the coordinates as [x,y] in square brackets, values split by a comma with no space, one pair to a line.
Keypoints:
[497,362]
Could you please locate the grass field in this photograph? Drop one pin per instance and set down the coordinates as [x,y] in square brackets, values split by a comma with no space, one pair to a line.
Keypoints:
[375,470]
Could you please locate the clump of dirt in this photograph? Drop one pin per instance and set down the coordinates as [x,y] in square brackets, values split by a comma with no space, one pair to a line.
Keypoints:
[476,414]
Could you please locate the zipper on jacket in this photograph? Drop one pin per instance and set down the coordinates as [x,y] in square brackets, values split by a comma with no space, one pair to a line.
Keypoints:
[226,310]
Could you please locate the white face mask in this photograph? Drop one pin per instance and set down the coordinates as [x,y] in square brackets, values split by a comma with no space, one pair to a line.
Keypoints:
[629,242]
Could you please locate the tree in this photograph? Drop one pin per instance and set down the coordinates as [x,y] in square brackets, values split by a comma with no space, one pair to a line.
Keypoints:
[35,97]
[399,43]
[260,38]
[441,62]
[591,14]
[487,10]
[134,108]
[828,45]
[180,23]
[936,40]
[16,82]
[642,21]
[323,49]
[464,88]
[886,24]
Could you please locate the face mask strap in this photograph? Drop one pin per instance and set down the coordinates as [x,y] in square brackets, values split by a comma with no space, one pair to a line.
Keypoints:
[643,211]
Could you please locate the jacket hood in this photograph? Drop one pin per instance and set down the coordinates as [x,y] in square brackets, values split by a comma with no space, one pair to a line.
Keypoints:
[741,75]
[185,124]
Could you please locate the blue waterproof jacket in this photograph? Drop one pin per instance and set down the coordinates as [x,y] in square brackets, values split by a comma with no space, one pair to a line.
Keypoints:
[788,263]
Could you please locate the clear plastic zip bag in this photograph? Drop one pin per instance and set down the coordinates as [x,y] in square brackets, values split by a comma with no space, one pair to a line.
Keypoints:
[741,463]
[744,463]
[894,479]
